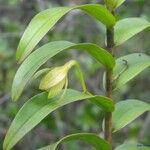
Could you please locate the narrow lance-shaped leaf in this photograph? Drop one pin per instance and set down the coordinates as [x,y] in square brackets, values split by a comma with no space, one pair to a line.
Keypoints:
[127,28]
[133,146]
[113,4]
[92,139]
[45,20]
[38,107]
[129,66]
[29,67]
[126,111]
[40,73]
[118,3]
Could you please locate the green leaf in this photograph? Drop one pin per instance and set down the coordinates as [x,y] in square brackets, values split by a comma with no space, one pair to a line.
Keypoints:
[126,111]
[129,66]
[127,28]
[38,107]
[40,72]
[133,146]
[92,139]
[45,20]
[118,2]
[110,4]
[113,4]
[29,67]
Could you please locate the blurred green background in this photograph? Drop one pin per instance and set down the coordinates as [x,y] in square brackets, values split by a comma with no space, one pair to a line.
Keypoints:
[76,27]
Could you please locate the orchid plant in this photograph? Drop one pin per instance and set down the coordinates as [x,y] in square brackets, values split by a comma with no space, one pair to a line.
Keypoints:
[54,81]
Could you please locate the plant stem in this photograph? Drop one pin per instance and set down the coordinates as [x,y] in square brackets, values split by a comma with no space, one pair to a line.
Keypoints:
[109,79]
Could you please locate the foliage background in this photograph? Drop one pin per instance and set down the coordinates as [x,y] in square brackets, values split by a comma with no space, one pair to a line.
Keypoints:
[76,27]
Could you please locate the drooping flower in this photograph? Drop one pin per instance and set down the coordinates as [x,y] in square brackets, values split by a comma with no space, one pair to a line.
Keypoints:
[57,78]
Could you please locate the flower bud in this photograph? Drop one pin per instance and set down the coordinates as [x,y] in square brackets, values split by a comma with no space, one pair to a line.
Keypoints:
[55,90]
[53,77]
[55,80]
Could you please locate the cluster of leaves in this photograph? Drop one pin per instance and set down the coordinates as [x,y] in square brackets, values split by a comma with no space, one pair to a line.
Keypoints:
[124,69]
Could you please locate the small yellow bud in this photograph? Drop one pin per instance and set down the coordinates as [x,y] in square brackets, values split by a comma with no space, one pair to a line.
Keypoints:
[53,77]
[110,4]
[55,90]
[55,80]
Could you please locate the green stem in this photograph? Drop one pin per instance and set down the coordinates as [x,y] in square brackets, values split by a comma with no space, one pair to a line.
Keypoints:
[72,63]
[81,78]
[109,82]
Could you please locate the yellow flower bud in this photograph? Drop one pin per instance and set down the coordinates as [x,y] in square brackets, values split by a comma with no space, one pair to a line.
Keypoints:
[55,80]
[55,90]
[53,77]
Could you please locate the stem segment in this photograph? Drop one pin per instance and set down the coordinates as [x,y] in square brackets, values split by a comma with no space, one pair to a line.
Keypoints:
[109,79]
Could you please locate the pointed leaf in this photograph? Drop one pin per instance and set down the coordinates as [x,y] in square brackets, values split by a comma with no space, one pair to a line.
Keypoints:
[129,66]
[126,111]
[40,72]
[133,146]
[113,4]
[118,2]
[127,28]
[38,107]
[92,139]
[45,20]
[29,67]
